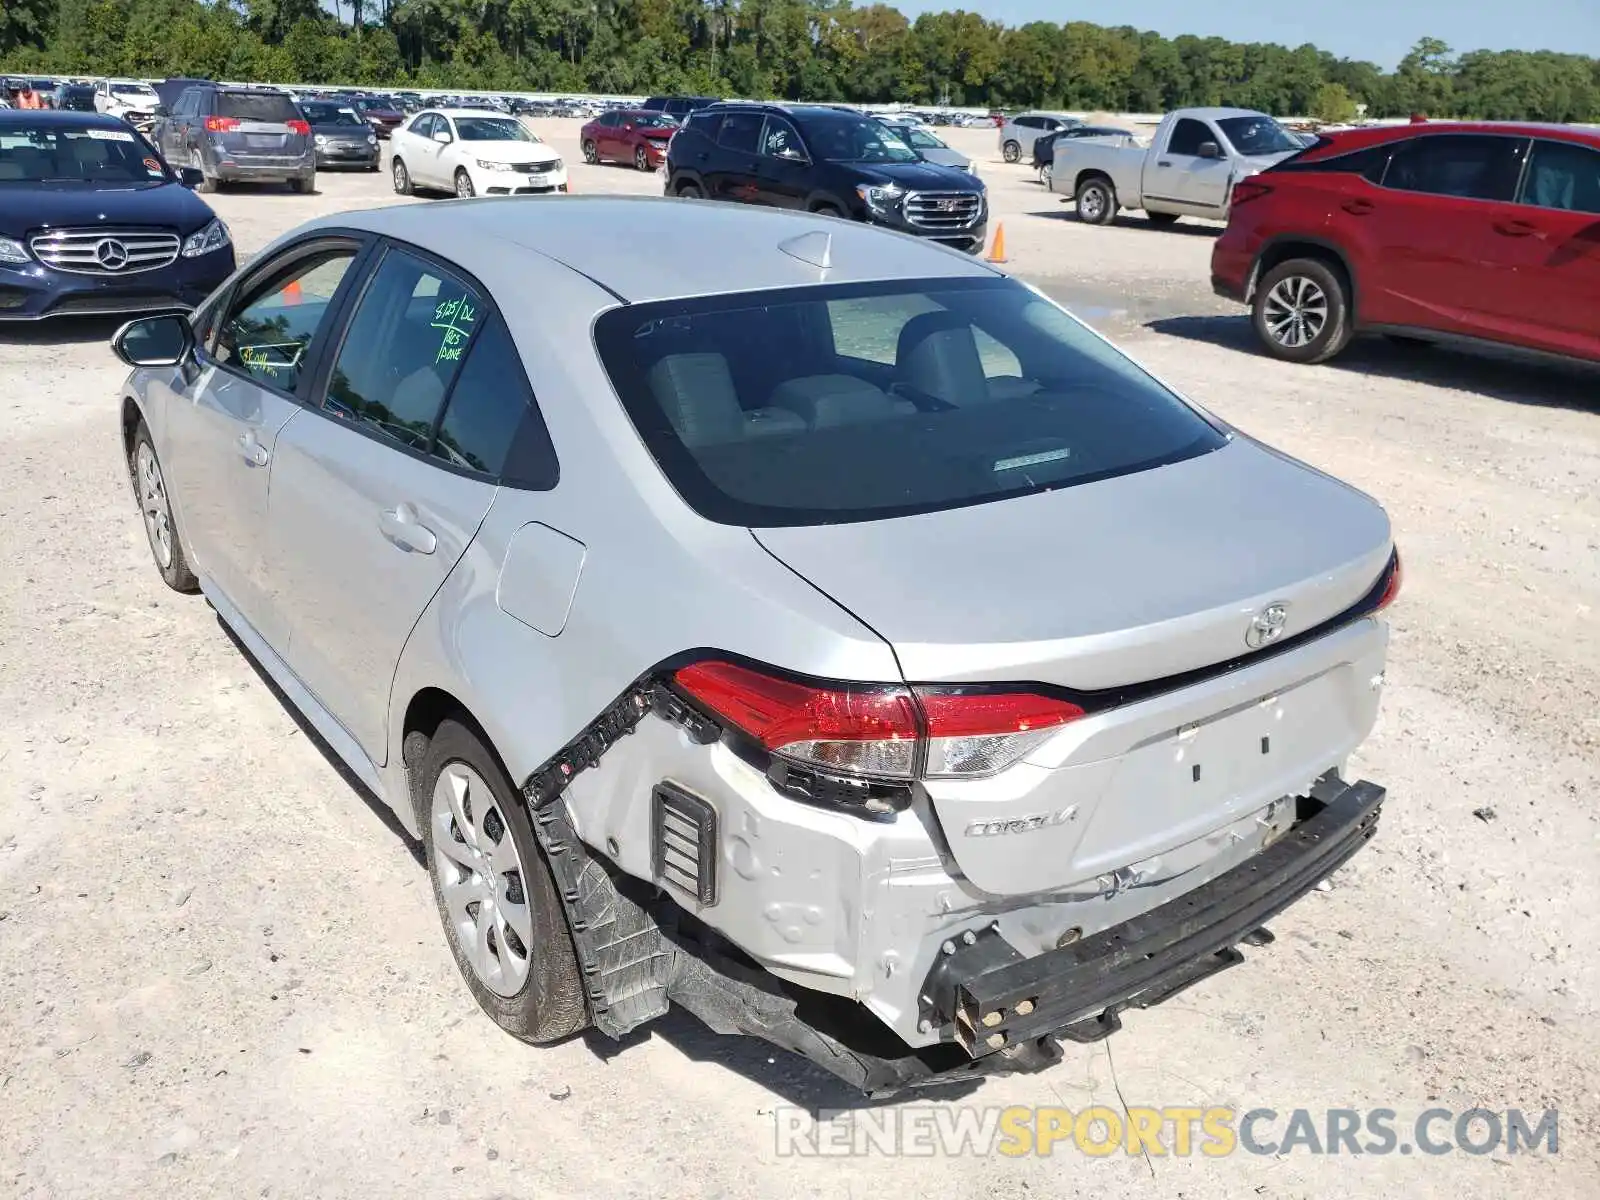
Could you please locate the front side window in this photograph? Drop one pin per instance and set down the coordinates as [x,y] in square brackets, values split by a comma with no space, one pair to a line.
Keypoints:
[1466,166]
[409,334]
[779,140]
[423,124]
[859,402]
[1188,136]
[845,137]
[1563,176]
[269,330]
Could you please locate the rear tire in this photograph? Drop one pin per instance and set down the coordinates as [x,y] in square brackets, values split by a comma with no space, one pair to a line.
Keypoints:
[591,153]
[828,210]
[1161,220]
[208,183]
[303,186]
[402,178]
[497,881]
[690,190]
[1097,201]
[1301,311]
[1011,151]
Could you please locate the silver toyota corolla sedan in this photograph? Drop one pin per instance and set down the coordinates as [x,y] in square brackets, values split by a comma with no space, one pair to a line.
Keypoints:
[801,623]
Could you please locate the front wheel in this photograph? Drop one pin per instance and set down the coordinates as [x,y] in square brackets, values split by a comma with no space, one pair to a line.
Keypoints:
[464,188]
[495,894]
[161,530]
[641,158]
[1301,311]
[1011,151]
[1097,202]
[402,178]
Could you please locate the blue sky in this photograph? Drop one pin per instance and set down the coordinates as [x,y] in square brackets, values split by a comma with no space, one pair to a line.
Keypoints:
[1379,31]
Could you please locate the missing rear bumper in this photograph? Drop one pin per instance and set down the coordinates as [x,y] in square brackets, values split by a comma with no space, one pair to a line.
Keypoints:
[994,999]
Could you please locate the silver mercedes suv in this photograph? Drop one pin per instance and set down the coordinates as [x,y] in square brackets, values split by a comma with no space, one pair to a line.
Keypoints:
[801,623]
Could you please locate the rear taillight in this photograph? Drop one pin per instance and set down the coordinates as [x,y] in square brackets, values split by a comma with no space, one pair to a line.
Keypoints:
[1247,190]
[301,127]
[878,731]
[1391,583]
[221,124]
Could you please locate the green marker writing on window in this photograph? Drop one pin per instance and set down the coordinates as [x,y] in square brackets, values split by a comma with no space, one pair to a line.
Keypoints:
[454,318]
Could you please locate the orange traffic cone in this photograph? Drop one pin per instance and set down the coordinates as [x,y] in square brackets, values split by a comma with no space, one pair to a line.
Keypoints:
[291,292]
[997,252]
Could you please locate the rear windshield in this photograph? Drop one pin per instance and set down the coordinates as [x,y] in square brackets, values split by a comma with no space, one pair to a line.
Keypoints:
[855,402]
[257,106]
[1259,135]
[324,113]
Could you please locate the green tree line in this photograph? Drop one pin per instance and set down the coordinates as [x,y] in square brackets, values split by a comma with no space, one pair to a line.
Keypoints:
[816,49]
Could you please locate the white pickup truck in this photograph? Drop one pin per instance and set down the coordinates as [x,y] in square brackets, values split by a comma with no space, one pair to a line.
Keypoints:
[1187,169]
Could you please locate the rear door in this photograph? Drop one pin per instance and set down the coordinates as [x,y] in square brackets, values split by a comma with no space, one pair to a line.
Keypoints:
[251,373]
[260,127]
[1437,260]
[366,519]
[733,173]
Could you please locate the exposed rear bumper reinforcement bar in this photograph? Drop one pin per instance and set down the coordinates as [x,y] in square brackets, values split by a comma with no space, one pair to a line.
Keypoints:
[998,1001]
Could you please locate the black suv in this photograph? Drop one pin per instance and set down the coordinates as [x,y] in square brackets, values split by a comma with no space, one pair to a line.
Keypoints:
[677,107]
[821,159]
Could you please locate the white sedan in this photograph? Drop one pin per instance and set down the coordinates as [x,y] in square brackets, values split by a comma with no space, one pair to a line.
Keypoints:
[472,152]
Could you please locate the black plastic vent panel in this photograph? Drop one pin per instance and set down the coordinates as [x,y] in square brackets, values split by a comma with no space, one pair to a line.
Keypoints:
[683,838]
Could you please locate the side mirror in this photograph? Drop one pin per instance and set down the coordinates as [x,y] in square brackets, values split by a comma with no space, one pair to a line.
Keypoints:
[191,177]
[1210,150]
[163,341]
[442,136]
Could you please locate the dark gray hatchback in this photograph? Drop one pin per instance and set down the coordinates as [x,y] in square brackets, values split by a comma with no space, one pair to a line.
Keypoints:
[234,135]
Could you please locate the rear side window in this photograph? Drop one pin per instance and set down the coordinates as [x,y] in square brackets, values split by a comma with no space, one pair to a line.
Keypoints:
[1188,135]
[707,123]
[741,131]
[491,422]
[410,332]
[1467,166]
[1563,176]
[1369,163]
[864,401]
[256,106]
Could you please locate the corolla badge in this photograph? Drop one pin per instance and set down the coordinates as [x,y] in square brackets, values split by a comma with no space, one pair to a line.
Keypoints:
[1267,626]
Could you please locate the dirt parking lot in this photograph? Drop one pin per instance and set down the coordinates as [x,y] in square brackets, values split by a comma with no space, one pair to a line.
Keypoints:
[221,970]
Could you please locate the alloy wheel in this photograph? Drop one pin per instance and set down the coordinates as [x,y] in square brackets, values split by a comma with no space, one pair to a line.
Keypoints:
[481,880]
[641,159]
[590,154]
[464,187]
[1296,312]
[153,503]
[399,176]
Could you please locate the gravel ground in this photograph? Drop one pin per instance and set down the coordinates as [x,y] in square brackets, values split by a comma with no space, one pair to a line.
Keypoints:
[222,971]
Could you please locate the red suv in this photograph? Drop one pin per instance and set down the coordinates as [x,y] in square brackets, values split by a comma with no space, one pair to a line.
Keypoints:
[1478,232]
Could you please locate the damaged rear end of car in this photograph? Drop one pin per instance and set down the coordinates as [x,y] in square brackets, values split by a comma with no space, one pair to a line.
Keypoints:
[1134,653]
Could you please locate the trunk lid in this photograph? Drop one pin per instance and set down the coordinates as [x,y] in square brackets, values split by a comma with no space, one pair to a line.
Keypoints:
[1105,585]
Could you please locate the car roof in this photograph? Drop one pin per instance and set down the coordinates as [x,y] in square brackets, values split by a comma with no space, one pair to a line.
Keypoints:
[697,248]
[456,111]
[1369,135]
[59,118]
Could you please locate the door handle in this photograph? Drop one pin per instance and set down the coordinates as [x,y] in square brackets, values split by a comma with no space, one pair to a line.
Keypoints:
[1515,228]
[400,526]
[1163,163]
[253,451]
[1358,208]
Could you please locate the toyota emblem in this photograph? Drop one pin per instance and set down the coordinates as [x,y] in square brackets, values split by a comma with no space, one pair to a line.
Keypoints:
[111,254]
[1267,626]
